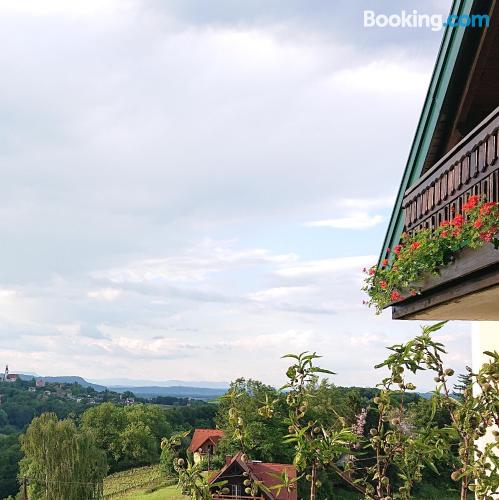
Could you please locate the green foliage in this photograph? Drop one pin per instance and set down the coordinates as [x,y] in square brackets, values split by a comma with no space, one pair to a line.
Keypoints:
[10,454]
[428,250]
[246,425]
[60,461]
[130,435]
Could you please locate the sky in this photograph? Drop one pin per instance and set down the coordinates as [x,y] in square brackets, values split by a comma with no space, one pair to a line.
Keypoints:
[190,189]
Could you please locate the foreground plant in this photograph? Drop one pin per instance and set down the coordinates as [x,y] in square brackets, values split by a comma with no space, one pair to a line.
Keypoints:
[428,250]
[395,446]
[316,445]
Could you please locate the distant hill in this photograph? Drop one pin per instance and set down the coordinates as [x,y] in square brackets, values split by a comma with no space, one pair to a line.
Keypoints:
[176,391]
[70,379]
[128,382]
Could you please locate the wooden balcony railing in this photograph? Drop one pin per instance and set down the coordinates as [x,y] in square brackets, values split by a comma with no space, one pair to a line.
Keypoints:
[470,168]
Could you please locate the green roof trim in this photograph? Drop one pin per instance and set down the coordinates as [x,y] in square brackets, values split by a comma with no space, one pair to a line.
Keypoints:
[446,60]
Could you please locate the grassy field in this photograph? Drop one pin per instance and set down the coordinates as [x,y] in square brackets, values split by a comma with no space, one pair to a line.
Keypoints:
[143,482]
[168,493]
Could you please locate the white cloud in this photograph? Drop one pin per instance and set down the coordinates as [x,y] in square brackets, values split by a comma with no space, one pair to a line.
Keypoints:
[383,76]
[106,294]
[325,267]
[359,220]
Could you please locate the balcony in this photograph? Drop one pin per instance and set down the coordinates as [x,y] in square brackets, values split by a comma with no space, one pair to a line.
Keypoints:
[469,287]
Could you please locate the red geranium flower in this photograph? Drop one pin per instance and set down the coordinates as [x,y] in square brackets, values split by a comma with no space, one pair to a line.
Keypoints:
[457,221]
[372,271]
[395,295]
[487,235]
[397,249]
[444,223]
[471,203]
[383,284]
[384,262]
[444,234]
[478,223]
[415,245]
[486,208]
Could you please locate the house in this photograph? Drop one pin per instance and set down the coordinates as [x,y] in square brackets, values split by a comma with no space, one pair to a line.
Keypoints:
[238,473]
[31,389]
[40,383]
[453,159]
[204,443]
[455,155]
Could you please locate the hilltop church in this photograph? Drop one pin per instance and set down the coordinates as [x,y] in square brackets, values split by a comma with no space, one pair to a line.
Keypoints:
[8,377]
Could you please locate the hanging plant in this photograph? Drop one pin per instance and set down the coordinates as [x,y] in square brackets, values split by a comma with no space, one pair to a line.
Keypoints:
[406,265]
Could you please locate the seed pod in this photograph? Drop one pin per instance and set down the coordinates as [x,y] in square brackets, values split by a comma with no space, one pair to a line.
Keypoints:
[449,372]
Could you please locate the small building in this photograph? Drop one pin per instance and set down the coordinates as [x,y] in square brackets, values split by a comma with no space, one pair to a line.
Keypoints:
[40,383]
[204,443]
[32,389]
[237,473]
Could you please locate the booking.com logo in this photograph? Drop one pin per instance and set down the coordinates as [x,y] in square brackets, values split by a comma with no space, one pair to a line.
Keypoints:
[414,19]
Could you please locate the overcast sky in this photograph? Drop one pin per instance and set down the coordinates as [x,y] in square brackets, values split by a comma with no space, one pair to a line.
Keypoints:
[190,189]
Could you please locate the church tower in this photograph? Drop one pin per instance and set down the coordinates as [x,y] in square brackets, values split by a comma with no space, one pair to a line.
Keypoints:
[6,374]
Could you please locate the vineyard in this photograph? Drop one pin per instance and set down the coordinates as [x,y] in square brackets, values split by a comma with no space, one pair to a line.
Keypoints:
[141,480]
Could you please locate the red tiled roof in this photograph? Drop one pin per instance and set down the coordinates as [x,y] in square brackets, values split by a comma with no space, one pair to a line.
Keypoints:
[202,435]
[266,473]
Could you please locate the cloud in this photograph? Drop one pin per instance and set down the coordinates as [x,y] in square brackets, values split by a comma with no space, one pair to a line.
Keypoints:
[359,220]
[324,267]
[106,294]
[157,178]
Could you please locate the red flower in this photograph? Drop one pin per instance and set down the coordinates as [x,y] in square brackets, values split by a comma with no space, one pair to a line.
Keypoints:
[395,295]
[457,221]
[486,208]
[397,249]
[383,284]
[471,203]
[444,234]
[384,262]
[488,235]
[444,223]
[415,245]
[478,223]
[372,271]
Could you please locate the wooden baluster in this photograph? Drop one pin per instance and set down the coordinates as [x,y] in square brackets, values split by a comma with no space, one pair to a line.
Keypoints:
[459,175]
[443,184]
[474,163]
[465,169]
[482,156]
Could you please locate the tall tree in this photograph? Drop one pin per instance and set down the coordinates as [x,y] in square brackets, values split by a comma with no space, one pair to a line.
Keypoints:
[61,462]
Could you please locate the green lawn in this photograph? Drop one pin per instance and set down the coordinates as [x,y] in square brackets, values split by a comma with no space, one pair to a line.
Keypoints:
[168,493]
